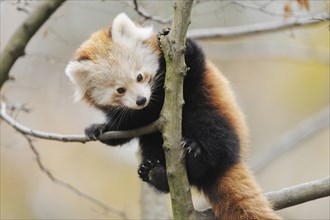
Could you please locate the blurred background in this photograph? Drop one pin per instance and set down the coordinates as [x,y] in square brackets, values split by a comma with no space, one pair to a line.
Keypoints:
[280,80]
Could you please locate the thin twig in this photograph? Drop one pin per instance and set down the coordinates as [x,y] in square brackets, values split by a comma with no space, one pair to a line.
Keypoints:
[261,8]
[74,137]
[292,138]
[39,134]
[255,29]
[148,16]
[71,188]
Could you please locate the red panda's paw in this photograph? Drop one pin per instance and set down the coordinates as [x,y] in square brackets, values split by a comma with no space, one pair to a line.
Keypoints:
[154,173]
[196,160]
[94,131]
[165,31]
[192,147]
[145,168]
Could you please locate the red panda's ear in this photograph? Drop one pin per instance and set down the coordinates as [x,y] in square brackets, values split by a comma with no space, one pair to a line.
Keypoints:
[124,30]
[77,71]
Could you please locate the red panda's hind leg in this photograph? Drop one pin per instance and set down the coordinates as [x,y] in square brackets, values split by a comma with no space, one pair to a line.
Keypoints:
[154,173]
[195,160]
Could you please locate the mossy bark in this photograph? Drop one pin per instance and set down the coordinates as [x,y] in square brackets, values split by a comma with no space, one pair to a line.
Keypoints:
[174,47]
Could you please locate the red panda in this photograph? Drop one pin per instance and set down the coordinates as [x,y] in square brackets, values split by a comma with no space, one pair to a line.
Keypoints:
[121,70]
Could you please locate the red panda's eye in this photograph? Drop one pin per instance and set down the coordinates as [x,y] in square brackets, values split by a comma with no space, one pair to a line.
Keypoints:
[121,90]
[139,78]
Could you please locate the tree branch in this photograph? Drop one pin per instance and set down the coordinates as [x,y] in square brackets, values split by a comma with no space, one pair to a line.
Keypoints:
[255,29]
[261,8]
[68,186]
[148,129]
[154,126]
[292,138]
[173,46]
[39,134]
[18,41]
[291,196]
[299,194]
[144,14]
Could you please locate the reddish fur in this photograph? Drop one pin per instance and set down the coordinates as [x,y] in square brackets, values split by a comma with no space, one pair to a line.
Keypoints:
[238,196]
[153,41]
[97,44]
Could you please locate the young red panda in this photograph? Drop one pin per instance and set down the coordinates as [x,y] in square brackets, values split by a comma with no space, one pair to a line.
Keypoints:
[121,72]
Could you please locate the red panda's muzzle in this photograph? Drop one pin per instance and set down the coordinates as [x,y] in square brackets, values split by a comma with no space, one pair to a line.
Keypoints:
[141,100]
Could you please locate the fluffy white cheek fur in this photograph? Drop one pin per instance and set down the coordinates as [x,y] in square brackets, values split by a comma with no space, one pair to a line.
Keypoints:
[102,96]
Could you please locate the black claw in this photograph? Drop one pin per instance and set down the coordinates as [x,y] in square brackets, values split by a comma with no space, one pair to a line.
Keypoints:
[148,163]
[94,131]
[166,30]
[192,147]
[145,167]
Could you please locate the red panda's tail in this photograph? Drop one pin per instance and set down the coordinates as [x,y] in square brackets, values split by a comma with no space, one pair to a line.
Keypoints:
[237,196]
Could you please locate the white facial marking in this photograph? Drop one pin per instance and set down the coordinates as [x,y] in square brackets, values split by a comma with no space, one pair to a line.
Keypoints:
[77,73]
[126,57]
[135,94]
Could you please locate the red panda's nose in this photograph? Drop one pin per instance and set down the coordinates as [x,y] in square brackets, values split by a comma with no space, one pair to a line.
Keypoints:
[141,100]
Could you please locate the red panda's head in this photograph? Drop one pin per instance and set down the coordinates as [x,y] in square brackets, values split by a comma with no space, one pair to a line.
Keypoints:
[116,67]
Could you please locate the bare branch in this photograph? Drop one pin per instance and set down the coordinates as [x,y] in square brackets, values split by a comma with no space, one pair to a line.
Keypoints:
[77,138]
[291,196]
[298,194]
[292,138]
[148,16]
[148,129]
[255,29]
[39,134]
[71,188]
[261,8]
[18,41]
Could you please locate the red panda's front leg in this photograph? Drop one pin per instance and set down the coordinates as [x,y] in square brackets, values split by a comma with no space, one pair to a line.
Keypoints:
[95,130]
